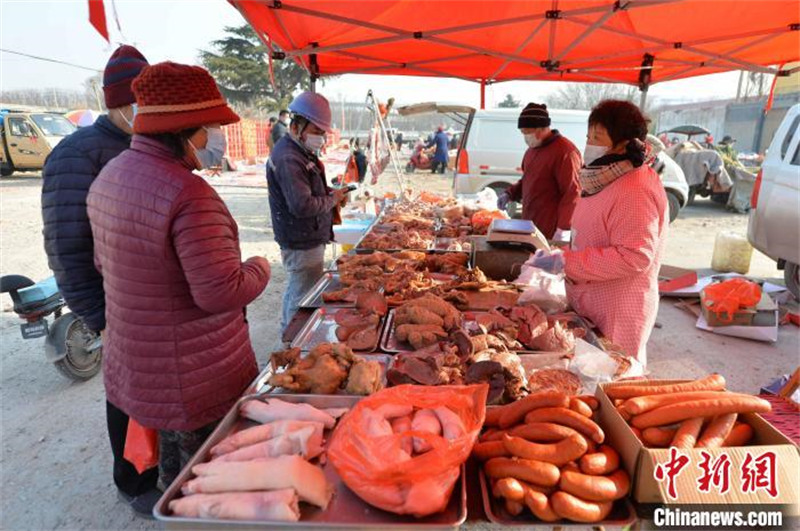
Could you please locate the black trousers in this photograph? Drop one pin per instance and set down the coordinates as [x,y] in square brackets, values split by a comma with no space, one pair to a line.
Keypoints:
[175,448]
[126,478]
[438,166]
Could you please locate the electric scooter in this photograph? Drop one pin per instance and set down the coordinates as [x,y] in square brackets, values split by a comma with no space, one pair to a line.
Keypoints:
[75,350]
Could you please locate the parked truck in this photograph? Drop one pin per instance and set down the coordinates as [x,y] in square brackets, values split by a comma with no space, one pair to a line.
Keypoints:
[28,136]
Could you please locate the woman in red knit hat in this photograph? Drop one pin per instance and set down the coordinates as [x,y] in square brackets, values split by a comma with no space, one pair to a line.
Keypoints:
[177,353]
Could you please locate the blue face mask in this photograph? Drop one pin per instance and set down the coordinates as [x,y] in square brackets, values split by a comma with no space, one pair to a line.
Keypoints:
[211,155]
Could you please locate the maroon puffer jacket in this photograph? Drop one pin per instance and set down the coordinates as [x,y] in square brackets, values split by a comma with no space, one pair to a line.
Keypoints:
[177,351]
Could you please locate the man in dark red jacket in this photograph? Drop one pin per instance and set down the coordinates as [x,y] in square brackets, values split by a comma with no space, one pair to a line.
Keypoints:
[549,188]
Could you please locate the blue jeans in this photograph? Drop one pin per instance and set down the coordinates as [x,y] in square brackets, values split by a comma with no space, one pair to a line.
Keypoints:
[303,269]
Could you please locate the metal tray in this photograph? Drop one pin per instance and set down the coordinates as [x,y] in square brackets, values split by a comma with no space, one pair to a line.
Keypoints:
[346,510]
[622,516]
[321,328]
[329,281]
[389,342]
[441,244]
[261,383]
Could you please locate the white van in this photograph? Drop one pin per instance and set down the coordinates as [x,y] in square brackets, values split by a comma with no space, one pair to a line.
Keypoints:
[491,151]
[774,224]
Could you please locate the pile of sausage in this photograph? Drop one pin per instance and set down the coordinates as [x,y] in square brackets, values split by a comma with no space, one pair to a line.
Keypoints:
[696,414]
[545,452]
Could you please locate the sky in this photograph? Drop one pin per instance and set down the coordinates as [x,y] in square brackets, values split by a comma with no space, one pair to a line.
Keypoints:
[176,29]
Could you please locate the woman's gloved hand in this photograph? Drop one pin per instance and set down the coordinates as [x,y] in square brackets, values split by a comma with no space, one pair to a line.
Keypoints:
[502,201]
[553,262]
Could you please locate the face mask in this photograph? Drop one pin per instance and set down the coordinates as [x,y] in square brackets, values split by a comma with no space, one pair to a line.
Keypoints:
[314,142]
[212,154]
[591,153]
[285,120]
[531,140]
[134,109]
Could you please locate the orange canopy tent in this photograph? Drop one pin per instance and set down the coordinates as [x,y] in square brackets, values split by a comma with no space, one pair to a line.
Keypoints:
[638,42]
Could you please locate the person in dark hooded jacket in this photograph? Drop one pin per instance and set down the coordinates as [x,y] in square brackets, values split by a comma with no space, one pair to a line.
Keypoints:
[68,173]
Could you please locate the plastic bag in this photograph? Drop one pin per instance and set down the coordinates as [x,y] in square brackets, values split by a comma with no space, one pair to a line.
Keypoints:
[732,253]
[483,218]
[545,290]
[141,446]
[423,484]
[725,298]
[595,366]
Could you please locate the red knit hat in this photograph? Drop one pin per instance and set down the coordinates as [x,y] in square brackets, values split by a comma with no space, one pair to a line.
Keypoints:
[172,97]
[122,68]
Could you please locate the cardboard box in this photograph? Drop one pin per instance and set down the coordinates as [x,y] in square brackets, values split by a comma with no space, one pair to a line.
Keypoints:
[671,278]
[641,462]
[763,314]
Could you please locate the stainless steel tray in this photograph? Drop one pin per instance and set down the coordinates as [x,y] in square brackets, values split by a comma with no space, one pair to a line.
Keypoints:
[321,328]
[389,342]
[622,516]
[261,383]
[346,510]
[329,281]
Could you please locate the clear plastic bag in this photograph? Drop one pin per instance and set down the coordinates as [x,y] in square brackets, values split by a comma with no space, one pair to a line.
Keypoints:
[732,253]
[545,290]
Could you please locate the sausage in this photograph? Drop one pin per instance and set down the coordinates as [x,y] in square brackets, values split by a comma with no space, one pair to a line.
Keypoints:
[618,402]
[402,425]
[536,472]
[572,465]
[558,453]
[513,413]
[540,506]
[492,416]
[579,406]
[687,433]
[658,437]
[487,450]
[510,489]
[717,431]
[514,508]
[739,435]
[623,413]
[642,404]
[541,432]
[590,401]
[637,432]
[569,418]
[673,413]
[573,508]
[714,382]
[600,463]
[596,488]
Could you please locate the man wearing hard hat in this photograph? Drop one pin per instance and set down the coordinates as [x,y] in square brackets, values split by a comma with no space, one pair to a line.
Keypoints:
[300,201]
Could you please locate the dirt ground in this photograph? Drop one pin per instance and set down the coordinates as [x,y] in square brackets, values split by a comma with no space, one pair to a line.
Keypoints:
[55,465]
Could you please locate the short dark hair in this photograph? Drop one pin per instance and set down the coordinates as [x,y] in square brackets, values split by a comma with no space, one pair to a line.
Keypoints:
[283,111]
[176,142]
[622,119]
[272,119]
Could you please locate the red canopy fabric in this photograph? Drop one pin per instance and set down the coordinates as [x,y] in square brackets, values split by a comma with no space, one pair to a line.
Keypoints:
[560,40]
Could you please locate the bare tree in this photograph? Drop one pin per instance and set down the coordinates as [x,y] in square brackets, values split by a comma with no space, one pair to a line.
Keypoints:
[586,95]
[51,98]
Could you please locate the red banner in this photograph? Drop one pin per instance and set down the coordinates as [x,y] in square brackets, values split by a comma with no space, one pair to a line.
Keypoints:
[97,17]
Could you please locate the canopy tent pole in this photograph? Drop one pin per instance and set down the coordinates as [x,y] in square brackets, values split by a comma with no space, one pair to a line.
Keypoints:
[483,93]
[313,72]
[645,77]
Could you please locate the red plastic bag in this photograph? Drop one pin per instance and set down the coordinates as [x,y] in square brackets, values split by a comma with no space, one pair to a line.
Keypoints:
[483,218]
[141,446]
[421,485]
[725,298]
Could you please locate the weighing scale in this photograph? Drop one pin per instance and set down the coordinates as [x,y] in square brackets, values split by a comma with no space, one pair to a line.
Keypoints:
[516,233]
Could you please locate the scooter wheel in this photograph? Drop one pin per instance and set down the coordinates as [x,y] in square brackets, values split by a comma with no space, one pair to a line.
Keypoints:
[79,363]
[409,168]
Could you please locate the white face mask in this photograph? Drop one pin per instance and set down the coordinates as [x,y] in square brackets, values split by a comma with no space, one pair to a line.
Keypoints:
[134,109]
[531,140]
[314,142]
[591,153]
[211,155]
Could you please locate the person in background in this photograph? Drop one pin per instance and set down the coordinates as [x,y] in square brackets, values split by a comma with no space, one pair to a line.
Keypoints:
[726,148]
[68,172]
[619,231]
[708,142]
[270,127]
[398,140]
[177,349]
[361,160]
[440,156]
[300,201]
[549,187]
[280,128]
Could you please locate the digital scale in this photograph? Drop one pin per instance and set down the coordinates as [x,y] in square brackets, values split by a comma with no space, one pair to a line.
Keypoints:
[516,233]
